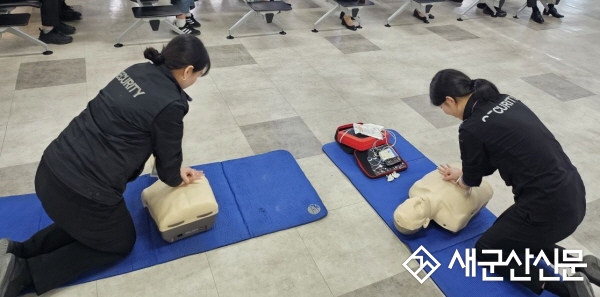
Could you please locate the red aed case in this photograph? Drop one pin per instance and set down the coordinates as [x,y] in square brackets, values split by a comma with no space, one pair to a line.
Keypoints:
[352,141]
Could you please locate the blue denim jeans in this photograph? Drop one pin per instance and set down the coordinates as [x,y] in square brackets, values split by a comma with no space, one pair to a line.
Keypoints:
[184,5]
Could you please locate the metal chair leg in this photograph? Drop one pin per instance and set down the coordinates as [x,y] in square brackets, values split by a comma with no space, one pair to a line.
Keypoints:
[460,17]
[398,12]
[324,16]
[241,21]
[131,28]
[18,32]
[280,26]
[173,27]
[516,16]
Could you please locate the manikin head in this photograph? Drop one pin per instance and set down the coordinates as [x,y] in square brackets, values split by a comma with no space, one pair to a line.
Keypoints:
[434,199]
[412,215]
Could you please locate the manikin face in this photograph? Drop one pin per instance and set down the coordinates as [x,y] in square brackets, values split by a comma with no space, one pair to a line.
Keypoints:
[412,215]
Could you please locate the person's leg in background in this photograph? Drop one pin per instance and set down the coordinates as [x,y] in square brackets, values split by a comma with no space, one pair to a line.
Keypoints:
[552,10]
[421,16]
[67,13]
[511,233]
[98,235]
[487,10]
[347,21]
[181,21]
[536,15]
[53,30]
[189,17]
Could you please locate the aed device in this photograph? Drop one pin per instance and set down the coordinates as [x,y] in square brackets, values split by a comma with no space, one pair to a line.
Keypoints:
[375,157]
[380,161]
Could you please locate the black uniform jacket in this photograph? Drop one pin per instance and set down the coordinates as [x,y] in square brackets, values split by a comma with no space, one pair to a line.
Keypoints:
[507,136]
[139,113]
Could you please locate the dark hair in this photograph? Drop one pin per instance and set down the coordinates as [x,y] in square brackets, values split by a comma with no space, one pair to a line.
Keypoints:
[453,83]
[180,52]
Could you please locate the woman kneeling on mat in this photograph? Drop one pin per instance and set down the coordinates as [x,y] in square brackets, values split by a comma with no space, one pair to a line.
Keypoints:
[498,132]
[83,173]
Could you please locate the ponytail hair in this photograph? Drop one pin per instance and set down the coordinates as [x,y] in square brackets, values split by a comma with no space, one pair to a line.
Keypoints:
[182,51]
[153,55]
[455,84]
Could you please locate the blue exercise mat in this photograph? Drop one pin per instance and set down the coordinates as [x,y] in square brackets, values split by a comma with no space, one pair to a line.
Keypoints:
[385,197]
[257,195]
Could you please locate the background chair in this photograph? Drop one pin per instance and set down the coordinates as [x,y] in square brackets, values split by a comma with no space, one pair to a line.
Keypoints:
[544,3]
[149,12]
[267,9]
[422,5]
[348,7]
[489,3]
[10,22]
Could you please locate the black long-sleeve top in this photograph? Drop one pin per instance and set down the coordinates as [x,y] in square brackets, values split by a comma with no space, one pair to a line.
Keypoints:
[507,136]
[139,113]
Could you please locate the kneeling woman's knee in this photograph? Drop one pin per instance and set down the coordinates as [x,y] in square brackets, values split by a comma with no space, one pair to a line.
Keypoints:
[121,242]
[480,246]
[126,245]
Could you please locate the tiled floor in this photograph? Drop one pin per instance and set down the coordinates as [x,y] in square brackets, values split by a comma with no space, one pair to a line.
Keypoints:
[265,87]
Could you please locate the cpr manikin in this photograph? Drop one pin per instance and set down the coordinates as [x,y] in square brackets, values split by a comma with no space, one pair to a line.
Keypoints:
[182,211]
[432,198]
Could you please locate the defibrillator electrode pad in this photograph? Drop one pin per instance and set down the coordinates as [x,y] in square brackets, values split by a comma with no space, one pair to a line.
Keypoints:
[369,130]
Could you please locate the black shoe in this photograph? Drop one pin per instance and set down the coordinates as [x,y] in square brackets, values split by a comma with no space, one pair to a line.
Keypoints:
[192,21]
[353,28]
[187,29]
[536,16]
[6,246]
[481,5]
[579,288]
[424,19]
[14,275]
[552,11]
[68,14]
[342,14]
[55,37]
[65,29]
[592,271]
[499,13]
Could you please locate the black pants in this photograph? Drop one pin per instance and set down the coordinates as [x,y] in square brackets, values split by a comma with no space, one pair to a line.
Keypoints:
[513,232]
[50,12]
[85,234]
[532,3]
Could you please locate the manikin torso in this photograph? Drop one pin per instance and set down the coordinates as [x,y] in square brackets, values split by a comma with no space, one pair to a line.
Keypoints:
[432,198]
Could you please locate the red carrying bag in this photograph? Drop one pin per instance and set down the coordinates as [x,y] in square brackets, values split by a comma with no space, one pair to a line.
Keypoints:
[351,141]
